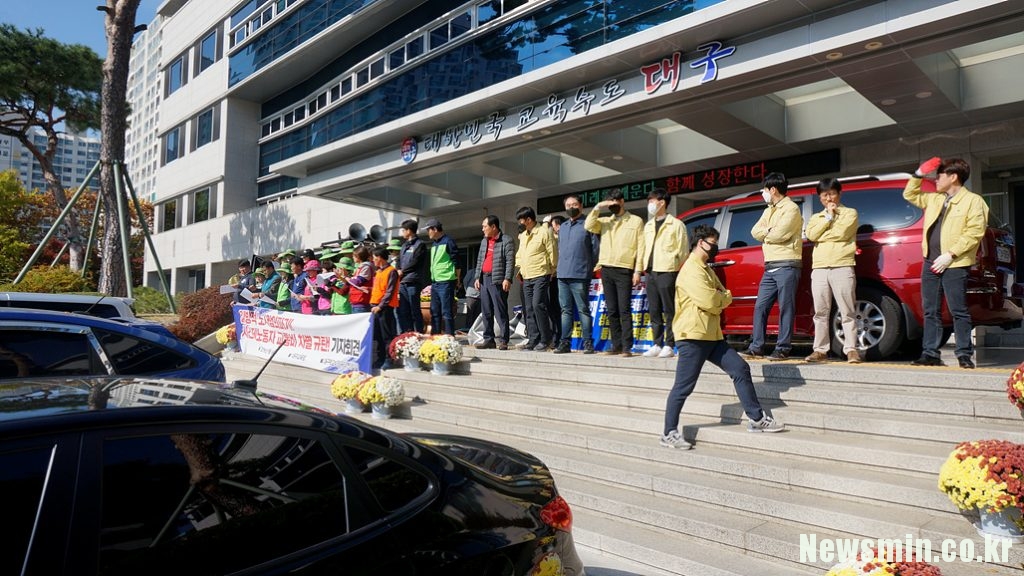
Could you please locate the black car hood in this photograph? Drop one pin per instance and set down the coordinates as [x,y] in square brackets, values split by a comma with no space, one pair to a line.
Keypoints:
[492,462]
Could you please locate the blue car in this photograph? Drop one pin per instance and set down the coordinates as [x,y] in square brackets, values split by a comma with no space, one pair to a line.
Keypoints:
[37,343]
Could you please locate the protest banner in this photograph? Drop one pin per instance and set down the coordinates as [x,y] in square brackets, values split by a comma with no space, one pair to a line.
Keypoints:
[335,344]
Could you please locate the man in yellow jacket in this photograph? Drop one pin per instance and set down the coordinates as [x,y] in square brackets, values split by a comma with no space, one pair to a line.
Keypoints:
[700,299]
[665,249]
[955,220]
[622,237]
[537,260]
[778,230]
[834,233]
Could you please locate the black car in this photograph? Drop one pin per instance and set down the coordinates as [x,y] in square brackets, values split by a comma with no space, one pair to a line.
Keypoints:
[202,478]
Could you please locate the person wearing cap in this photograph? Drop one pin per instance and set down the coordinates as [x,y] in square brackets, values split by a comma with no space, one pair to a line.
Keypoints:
[314,288]
[284,293]
[444,275]
[347,248]
[269,286]
[394,248]
[340,303]
[384,299]
[621,263]
[284,258]
[361,281]
[414,271]
[243,280]
[536,259]
[308,255]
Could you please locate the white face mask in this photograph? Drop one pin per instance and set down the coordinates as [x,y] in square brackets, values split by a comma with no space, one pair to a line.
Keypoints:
[652,209]
[767,195]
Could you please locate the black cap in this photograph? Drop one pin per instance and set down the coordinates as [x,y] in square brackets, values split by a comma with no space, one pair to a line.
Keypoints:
[244,263]
[308,253]
[432,223]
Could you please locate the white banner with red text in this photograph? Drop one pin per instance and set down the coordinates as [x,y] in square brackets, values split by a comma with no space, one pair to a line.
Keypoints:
[335,344]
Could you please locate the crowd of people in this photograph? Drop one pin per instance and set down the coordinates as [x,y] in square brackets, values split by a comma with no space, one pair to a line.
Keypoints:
[555,260]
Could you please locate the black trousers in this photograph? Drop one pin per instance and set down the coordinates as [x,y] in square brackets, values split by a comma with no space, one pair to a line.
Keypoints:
[494,304]
[535,306]
[617,284]
[661,304]
[384,331]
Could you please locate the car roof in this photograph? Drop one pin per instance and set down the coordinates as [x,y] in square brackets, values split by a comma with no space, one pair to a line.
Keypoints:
[850,184]
[40,315]
[64,297]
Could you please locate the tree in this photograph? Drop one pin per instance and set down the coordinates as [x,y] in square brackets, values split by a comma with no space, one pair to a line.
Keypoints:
[119,23]
[48,85]
[15,203]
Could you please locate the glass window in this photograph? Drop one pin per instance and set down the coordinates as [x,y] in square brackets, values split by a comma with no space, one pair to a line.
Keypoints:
[335,93]
[879,210]
[488,11]
[707,219]
[135,356]
[275,124]
[289,118]
[268,15]
[281,6]
[204,128]
[239,36]
[362,77]
[741,222]
[29,353]
[321,100]
[22,473]
[173,145]
[300,113]
[175,75]
[208,51]
[201,206]
[439,36]
[414,47]
[312,107]
[208,492]
[240,15]
[396,58]
[170,215]
[393,484]
[377,68]
[265,129]
[346,85]
[461,24]
[255,24]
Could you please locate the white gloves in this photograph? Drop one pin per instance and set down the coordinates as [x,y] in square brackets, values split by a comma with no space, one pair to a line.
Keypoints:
[940,264]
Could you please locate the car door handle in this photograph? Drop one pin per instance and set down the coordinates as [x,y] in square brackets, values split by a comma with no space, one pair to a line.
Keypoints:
[721,264]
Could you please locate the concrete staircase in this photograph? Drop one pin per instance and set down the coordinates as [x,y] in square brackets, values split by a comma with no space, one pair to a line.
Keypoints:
[860,458]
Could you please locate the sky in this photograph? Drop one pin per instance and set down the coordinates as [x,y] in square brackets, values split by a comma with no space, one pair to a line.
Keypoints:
[68,21]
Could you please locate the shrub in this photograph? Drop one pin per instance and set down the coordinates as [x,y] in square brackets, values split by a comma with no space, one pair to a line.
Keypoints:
[56,280]
[202,313]
[153,300]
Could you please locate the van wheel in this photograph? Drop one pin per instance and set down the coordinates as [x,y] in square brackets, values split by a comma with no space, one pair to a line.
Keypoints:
[879,325]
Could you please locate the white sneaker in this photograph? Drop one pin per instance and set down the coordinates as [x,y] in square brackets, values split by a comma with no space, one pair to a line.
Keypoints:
[765,424]
[666,352]
[675,440]
[653,352]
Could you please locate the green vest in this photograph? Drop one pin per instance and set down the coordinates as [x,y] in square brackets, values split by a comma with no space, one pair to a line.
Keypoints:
[442,267]
[340,304]
[284,296]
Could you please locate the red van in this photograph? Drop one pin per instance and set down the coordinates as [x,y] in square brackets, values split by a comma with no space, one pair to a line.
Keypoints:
[889,313]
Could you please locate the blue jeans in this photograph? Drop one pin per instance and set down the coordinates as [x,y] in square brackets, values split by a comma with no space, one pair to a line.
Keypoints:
[776,284]
[575,292]
[953,285]
[535,306]
[692,355]
[442,307]
[410,316]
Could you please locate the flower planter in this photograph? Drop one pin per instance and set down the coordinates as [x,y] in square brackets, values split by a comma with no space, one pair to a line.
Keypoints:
[353,406]
[1005,524]
[441,369]
[411,364]
[381,411]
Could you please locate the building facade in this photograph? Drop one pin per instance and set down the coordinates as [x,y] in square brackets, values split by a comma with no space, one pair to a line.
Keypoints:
[282,122]
[142,144]
[76,156]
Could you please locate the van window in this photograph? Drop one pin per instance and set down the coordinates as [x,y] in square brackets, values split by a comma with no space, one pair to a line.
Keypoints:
[878,210]
[705,219]
[741,222]
[136,356]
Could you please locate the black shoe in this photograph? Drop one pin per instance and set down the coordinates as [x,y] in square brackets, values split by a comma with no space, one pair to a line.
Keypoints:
[563,347]
[926,360]
[778,355]
[527,346]
[502,346]
[542,347]
[588,346]
[750,354]
[966,362]
[487,344]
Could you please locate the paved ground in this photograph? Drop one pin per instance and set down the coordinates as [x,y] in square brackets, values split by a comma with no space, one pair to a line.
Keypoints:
[599,564]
